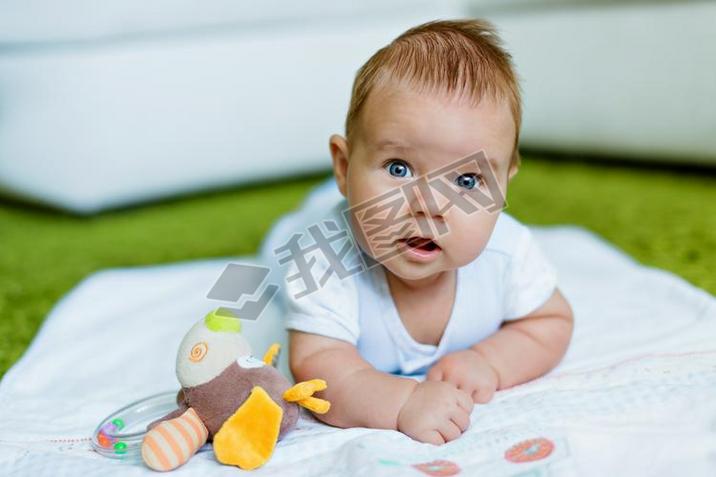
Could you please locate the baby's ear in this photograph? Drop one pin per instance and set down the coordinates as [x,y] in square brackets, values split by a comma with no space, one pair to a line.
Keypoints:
[514,165]
[513,171]
[339,153]
[514,168]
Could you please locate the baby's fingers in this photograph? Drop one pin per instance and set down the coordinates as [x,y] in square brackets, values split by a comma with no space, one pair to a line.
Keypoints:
[467,387]
[464,400]
[449,431]
[431,437]
[482,395]
[461,419]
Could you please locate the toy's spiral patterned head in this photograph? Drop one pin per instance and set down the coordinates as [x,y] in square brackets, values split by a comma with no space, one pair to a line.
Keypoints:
[208,348]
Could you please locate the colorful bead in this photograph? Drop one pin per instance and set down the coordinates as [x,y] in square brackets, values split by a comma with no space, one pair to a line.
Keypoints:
[104,440]
[120,448]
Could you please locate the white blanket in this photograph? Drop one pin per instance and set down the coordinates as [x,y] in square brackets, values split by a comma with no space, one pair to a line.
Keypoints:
[635,394]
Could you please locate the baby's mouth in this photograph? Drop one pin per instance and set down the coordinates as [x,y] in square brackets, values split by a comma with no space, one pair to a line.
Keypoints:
[420,243]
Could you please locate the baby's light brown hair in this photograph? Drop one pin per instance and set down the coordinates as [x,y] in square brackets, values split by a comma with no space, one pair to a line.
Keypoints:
[461,57]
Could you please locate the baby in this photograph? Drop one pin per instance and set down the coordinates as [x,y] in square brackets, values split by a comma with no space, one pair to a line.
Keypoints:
[413,322]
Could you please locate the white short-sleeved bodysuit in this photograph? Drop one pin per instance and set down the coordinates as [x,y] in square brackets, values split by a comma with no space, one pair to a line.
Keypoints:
[508,280]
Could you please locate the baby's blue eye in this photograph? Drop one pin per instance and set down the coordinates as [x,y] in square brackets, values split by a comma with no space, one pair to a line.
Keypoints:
[398,168]
[468,181]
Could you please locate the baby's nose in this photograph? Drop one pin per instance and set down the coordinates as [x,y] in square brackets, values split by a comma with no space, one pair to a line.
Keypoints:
[423,201]
[428,218]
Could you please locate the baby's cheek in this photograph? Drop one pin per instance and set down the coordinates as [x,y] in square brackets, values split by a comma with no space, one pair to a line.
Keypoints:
[468,235]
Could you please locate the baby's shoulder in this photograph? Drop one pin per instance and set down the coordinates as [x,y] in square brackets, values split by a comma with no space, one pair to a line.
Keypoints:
[508,236]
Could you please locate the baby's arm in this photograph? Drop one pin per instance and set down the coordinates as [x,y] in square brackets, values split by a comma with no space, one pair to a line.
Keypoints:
[521,350]
[360,395]
[525,349]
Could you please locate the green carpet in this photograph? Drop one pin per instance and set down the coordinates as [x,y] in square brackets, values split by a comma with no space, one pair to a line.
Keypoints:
[663,218]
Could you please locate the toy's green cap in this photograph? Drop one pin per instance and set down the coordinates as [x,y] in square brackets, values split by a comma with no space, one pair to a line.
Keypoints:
[222,320]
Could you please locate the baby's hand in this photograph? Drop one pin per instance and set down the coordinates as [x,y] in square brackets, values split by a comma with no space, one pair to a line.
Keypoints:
[469,371]
[435,413]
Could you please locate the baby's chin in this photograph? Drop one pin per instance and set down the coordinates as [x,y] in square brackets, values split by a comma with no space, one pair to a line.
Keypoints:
[409,271]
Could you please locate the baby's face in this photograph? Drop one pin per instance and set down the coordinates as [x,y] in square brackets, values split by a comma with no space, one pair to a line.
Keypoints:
[402,134]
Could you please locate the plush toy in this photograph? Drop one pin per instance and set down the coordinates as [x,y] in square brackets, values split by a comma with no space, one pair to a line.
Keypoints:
[242,404]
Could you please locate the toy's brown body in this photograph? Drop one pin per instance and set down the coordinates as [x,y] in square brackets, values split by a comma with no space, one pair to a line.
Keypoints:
[241,404]
[219,399]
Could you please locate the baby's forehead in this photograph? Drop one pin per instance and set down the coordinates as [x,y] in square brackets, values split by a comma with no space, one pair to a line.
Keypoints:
[397,113]
[394,88]
[400,98]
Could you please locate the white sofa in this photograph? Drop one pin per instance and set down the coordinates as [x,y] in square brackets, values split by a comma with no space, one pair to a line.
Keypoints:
[109,103]
[632,79]
[104,104]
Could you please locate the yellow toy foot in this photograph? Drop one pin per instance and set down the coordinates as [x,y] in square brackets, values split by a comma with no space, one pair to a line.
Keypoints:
[302,393]
[271,356]
[304,389]
[248,437]
[171,443]
[317,405]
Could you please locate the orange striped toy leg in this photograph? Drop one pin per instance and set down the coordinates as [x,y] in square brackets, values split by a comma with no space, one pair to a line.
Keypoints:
[171,443]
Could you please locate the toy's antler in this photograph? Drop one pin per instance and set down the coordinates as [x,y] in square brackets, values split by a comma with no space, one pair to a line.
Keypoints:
[302,394]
